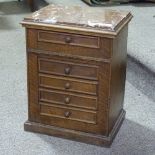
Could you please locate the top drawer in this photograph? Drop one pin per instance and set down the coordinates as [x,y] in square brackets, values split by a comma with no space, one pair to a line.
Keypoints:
[68,44]
[66,38]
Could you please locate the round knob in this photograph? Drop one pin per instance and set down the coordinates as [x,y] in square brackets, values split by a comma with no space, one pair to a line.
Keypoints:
[67,114]
[67,85]
[67,100]
[68,39]
[67,70]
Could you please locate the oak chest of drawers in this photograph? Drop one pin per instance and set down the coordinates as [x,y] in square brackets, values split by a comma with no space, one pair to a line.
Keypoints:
[76,62]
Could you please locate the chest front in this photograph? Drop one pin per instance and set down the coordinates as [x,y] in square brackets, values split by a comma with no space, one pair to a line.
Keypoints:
[76,78]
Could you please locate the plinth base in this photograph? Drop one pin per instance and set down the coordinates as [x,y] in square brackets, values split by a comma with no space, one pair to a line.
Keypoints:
[76,135]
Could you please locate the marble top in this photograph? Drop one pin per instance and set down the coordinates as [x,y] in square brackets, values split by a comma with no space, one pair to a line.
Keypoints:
[76,16]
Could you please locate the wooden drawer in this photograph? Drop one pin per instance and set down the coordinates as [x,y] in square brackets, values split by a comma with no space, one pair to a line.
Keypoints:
[68,99]
[68,84]
[81,46]
[70,39]
[68,69]
[68,113]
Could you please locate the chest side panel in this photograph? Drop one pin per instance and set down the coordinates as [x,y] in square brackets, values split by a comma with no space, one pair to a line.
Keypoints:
[118,76]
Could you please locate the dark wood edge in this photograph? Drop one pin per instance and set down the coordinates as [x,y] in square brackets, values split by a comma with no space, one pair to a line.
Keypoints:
[76,135]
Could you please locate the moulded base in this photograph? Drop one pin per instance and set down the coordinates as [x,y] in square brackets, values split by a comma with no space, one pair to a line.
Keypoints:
[90,138]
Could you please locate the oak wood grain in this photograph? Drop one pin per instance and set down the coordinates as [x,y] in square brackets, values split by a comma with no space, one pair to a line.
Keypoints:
[76,77]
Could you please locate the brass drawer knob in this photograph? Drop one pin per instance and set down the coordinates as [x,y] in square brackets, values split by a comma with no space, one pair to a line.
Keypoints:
[67,100]
[67,85]
[67,114]
[67,70]
[68,39]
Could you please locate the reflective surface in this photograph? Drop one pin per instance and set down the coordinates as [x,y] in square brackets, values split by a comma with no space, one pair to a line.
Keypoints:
[79,16]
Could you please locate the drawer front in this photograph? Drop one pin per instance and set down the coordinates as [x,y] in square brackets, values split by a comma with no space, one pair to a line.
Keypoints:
[68,69]
[68,84]
[68,99]
[70,39]
[68,113]
[57,43]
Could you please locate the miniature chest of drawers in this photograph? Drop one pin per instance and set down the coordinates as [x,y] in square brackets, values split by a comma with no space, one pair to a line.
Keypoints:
[76,60]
